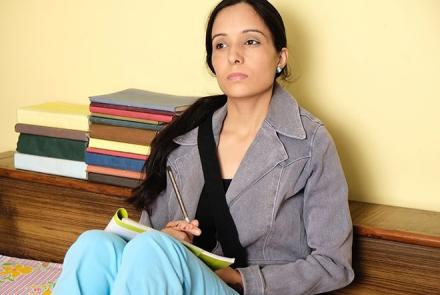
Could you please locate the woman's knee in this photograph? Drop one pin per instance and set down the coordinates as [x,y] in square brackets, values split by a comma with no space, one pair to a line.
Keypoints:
[99,236]
[99,240]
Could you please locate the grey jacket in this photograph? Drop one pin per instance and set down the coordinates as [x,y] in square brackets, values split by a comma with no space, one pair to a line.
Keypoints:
[288,199]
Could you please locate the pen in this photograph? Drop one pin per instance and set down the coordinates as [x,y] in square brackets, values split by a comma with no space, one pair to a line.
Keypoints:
[179,197]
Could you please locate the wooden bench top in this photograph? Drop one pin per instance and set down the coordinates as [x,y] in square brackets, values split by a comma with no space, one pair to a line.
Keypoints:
[411,226]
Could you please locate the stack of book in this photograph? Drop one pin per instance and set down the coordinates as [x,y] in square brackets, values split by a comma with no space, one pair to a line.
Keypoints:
[122,127]
[53,138]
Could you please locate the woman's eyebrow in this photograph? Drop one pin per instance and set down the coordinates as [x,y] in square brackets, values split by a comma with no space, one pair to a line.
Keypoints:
[254,31]
[244,31]
[218,35]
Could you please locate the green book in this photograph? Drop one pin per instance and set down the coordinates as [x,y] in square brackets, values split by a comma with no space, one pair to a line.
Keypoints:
[125,123]
[52,147]
[127,229]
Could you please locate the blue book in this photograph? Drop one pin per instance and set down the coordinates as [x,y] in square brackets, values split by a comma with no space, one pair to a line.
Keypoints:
[145,99]
[114,162]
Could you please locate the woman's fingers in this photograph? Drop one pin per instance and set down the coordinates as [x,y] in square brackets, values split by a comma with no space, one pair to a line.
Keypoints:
[182,225]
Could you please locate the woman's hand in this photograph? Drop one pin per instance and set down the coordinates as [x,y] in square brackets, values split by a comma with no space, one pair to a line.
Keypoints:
[232,277]
[182,230]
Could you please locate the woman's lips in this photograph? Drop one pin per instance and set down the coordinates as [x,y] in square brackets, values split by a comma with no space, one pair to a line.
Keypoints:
[237,76]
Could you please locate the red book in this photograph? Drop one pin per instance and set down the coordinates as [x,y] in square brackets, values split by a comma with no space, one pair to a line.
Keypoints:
[131,114]
[129,108]
[114,172]
[116,153]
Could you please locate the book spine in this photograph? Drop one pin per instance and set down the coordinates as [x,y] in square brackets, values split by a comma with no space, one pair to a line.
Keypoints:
[51,132]
[125,123]
[136,104]
[114,172]
[115,117]
[131,114]
[114,162]
[56,120]
[122,134]
[113,180]
[51,147]
[119,146]
[125,107]
[116,153]
[48,165]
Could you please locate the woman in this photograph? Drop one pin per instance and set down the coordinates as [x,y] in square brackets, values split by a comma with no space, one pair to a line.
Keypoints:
[284,215]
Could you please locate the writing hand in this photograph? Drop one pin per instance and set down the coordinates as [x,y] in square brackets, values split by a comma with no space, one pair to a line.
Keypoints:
[182,230]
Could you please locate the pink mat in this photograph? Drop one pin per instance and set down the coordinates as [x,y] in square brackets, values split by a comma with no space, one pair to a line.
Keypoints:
[23,276]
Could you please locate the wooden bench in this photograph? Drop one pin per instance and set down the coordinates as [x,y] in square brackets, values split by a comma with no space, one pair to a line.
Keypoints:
[395,250]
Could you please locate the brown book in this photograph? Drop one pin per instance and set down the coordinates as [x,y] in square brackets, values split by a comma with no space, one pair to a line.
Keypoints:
[51,132]
[122,134]
[113,180]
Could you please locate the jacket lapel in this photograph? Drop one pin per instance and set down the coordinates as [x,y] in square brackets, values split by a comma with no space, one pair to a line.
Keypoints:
[265,153]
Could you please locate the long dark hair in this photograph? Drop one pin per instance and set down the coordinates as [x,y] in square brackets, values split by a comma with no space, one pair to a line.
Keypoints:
[155,167]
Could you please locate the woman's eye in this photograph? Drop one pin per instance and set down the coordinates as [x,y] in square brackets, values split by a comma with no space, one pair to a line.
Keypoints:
[252,42]
[220,46]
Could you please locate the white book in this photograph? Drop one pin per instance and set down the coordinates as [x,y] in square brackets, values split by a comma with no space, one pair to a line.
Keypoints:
[127,229]
[69,168]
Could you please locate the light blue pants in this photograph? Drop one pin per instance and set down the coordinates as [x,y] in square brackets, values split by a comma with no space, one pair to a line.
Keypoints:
[100,262]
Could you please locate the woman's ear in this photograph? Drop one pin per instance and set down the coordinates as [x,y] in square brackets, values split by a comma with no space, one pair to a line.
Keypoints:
[283,57]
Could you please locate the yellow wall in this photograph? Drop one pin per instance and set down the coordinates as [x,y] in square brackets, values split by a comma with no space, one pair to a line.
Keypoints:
[369,68]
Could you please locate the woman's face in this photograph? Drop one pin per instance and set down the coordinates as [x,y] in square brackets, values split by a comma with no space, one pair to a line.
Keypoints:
[243,55]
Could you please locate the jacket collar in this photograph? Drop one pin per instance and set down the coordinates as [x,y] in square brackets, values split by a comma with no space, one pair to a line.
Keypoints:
[283,116]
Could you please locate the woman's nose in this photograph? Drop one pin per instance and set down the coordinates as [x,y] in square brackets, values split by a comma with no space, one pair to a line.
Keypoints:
[235,55]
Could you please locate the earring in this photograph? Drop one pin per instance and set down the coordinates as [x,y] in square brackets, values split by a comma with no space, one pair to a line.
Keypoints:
[279,69]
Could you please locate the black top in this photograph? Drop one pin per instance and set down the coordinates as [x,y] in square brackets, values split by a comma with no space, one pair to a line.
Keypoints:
[226,184]
[224,230]
[207,240]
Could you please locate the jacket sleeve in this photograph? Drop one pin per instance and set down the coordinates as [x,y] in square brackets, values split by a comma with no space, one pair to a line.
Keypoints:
[160,210]
[328,228]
